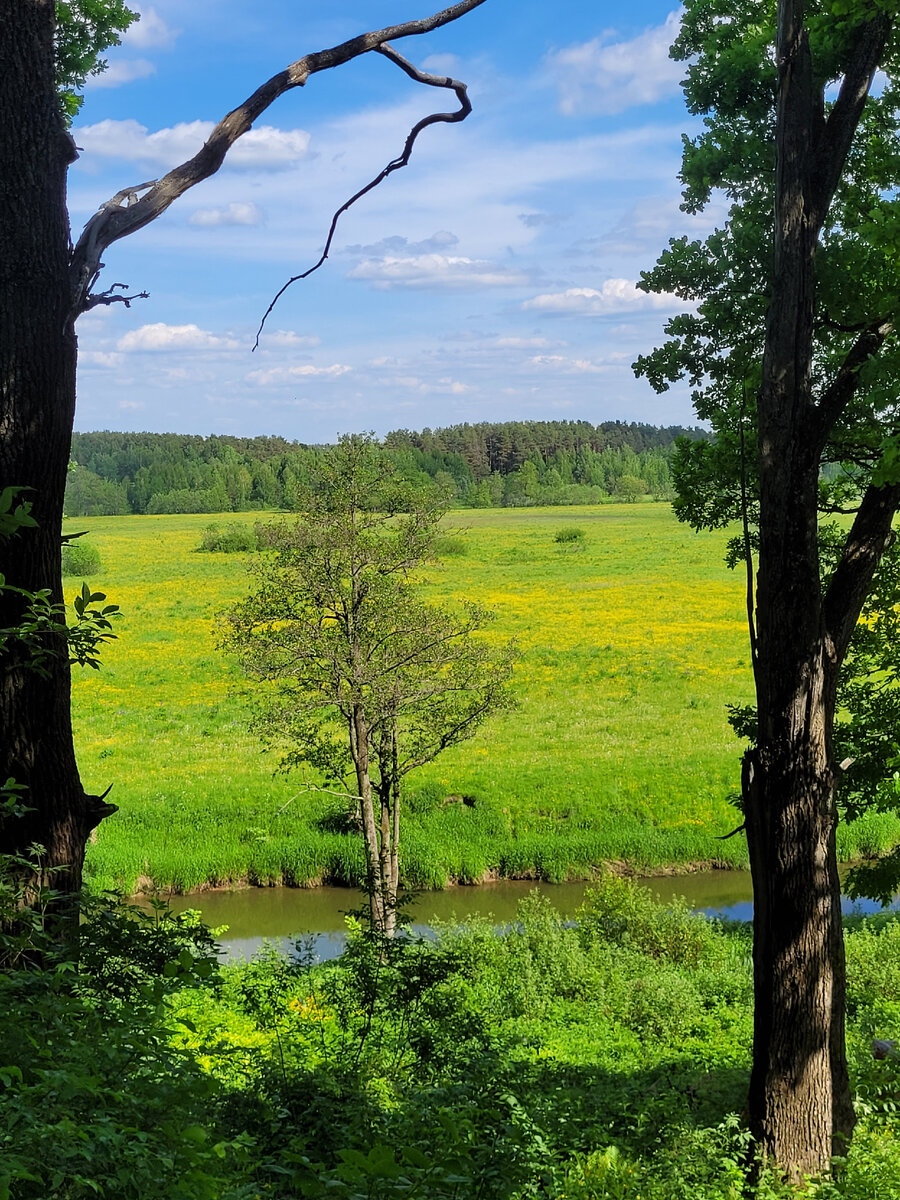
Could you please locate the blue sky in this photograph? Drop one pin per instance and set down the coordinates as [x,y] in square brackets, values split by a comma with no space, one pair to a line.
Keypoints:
[493,279]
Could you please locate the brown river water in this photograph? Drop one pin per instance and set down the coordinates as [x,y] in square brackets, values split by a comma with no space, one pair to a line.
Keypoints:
[281,915]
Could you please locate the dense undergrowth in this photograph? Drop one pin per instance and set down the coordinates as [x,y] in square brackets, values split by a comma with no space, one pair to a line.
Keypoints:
[589,1061]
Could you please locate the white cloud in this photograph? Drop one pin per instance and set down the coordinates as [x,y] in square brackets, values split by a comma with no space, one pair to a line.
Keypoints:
[520,343]
[150,31]
[442,64]
[571,366]
[396,245]
[272,375]
[443,386]
[616,295]
[98,358]
[600,76]
[173,337]
[263,147]
[287,337]
[437,271]
[121,71]
[233,214]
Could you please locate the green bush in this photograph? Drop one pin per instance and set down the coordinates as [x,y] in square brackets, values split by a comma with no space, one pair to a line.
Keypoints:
[450,546]
[570,535]
[80,558]
[230,539]
[619,911]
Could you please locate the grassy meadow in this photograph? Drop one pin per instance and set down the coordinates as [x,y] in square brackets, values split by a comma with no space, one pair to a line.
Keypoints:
[632,641]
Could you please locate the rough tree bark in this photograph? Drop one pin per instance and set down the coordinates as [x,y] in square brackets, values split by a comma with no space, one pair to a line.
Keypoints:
[45,284]
[800,1103]
[37,404]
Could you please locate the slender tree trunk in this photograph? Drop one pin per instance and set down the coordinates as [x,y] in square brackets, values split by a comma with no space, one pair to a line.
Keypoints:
[384,857]
[394,883]
[37,404]
[359,742]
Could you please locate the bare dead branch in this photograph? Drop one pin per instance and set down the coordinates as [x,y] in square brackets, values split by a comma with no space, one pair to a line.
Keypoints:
[725,836]
[465,107]
[111,296]
[129,211]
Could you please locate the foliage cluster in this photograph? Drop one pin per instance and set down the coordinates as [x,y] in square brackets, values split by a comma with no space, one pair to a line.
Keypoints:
[80,558]
[232,538]
[569,535]
[358,678]
[40,632]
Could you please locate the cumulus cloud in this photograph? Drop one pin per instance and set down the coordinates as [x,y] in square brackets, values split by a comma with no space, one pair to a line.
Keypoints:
[99,358]
[173,337]
[439,271]
[570,366]
[151,31]
[287,337]
[601,76]
[122,71]
[233,214]
[273,375]
[444,386]
[442,240]
[262,147]
[520,343]
[616,295]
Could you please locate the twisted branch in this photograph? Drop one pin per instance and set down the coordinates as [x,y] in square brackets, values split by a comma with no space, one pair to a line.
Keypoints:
[465,107]
[133,208]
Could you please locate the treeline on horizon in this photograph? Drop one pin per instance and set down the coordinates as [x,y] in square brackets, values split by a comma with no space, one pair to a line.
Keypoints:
[511,464]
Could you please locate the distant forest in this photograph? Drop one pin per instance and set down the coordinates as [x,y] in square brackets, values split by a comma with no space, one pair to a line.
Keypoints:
[515,463]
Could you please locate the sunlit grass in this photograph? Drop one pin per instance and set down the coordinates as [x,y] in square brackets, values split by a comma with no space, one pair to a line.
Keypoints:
[633,640]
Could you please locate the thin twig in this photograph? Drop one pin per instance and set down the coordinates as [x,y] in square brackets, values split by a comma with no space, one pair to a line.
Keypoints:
[420,76]
[311,787]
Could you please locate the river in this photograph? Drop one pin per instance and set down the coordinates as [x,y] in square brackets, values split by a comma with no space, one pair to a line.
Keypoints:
[280,915]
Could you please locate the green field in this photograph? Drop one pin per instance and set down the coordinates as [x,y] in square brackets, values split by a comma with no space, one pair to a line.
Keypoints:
[632,645]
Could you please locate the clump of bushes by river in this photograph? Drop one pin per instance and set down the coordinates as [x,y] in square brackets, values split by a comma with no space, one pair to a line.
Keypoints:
[602,1059]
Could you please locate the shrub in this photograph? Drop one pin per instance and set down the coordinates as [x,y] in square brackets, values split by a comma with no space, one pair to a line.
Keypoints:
[80,558]
[229,539]
[619,911]
[450,546]
[570,535]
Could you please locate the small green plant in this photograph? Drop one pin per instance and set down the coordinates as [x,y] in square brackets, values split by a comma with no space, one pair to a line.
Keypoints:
[570,535]
[80,558]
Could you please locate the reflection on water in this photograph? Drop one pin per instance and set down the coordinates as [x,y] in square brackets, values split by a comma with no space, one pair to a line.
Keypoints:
[279,914]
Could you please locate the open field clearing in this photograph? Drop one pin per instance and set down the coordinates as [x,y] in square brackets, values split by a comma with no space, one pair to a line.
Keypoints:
[632,644]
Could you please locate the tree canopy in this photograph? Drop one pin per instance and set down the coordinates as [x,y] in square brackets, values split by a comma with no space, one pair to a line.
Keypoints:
[363,681]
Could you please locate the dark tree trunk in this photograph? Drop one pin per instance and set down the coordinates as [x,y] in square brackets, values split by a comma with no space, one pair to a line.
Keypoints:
[37,402]
[800,1101]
